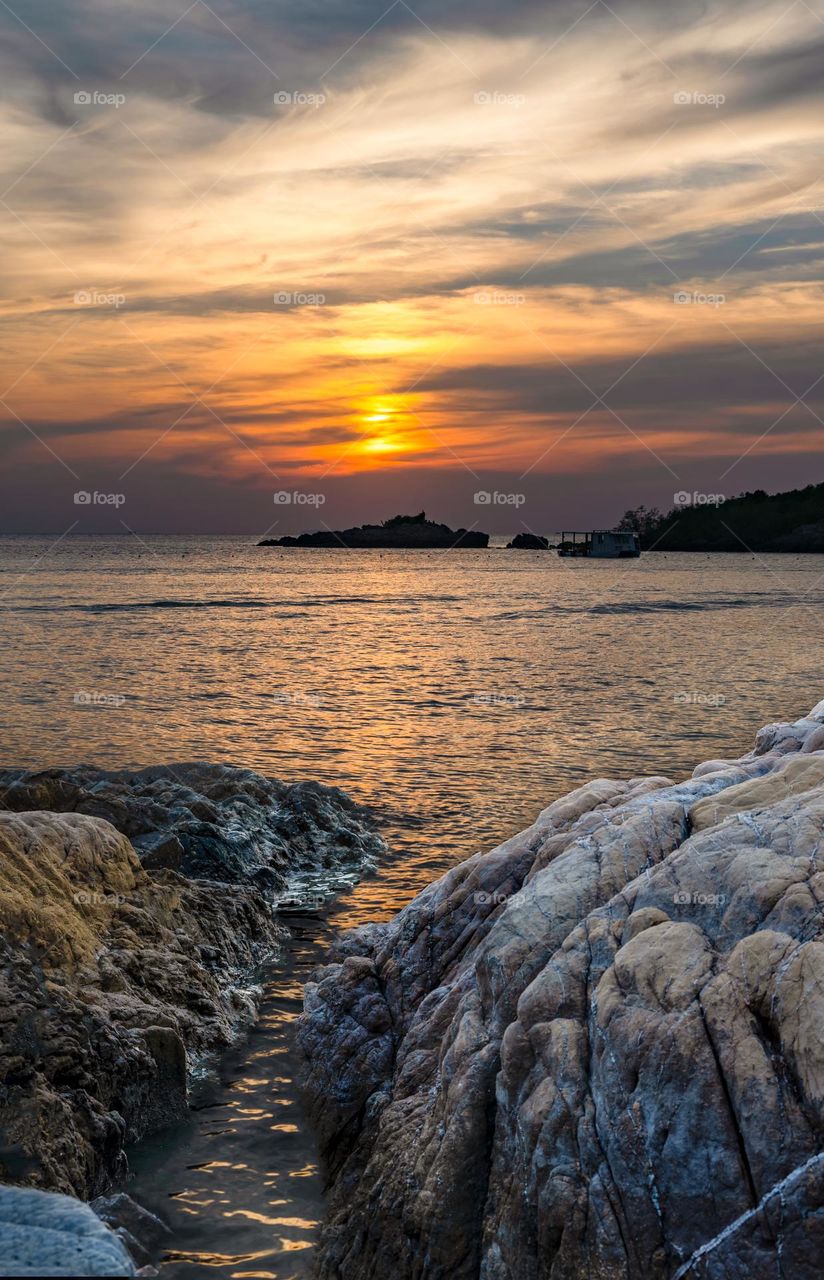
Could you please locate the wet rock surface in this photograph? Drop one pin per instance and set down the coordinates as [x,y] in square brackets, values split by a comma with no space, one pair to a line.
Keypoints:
[595,1051]
[209,821]
[117,974]
[141,1232]
[109,975]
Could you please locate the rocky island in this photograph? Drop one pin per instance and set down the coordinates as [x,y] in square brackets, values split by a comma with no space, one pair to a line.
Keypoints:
[400,533]
[595,1050]
[528,542]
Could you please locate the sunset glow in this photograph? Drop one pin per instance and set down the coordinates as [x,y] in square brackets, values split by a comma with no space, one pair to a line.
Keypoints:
[486,253]
[412,524]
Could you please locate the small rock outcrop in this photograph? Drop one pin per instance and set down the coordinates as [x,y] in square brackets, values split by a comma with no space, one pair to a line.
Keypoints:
[140,1231]
[595,1051]
[53,1235]
[401,533]
[528,542]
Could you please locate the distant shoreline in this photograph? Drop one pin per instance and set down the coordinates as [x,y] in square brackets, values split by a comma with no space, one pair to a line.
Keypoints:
[759,523]
[293,544]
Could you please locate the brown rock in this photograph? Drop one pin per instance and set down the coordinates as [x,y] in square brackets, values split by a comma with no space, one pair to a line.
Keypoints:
[102,992]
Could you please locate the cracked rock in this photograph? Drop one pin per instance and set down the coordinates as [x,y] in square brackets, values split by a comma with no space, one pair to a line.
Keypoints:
[596,1052]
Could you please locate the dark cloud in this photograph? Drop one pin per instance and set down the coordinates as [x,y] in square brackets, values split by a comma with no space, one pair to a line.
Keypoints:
[227,56]
[699,381]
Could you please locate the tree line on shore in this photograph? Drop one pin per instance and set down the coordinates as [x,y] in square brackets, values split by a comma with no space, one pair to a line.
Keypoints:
[756,521]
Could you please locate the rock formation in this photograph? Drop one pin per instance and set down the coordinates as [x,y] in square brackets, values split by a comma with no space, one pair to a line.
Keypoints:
[595,1052]
[114,973]
[400,533]
[210,821]
[142,1232]
[108,976]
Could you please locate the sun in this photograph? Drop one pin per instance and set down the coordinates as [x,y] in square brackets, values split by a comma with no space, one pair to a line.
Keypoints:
[380,421]
[381,444]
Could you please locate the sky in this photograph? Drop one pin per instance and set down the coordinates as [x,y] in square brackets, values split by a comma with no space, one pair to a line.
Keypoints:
[269,267]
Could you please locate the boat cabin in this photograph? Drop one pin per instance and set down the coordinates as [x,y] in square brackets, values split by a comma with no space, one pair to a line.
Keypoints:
[600,544]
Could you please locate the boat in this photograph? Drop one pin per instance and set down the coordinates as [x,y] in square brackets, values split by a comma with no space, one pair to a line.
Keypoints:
[600,544]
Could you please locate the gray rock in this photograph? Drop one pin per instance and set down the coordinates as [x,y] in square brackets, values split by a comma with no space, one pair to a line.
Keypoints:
[141,1232]
[786,1226]
[213,822]
[595,1051]
[158,850]
[170,1093]
[53,1235]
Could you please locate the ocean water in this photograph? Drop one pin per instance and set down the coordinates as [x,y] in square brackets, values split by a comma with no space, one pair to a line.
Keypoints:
[457,693]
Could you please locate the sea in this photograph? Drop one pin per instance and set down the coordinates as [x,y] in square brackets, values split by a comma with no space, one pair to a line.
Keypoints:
[456,693]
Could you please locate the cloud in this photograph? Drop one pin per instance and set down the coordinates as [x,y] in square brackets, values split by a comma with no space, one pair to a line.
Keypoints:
[584,162]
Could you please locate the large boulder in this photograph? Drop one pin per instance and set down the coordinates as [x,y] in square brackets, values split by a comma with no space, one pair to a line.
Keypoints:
[594,1052]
